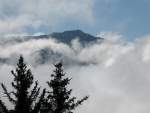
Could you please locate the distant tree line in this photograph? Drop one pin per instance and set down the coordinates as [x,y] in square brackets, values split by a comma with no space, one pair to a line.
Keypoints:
[56,99]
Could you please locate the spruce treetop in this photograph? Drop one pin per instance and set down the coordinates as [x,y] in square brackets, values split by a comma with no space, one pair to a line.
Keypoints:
[24,99]
[59,98]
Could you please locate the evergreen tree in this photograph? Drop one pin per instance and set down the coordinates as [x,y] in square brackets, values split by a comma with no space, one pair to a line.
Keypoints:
[24,99]
[59,98]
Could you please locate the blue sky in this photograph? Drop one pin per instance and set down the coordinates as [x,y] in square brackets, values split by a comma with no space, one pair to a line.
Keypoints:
[129,18]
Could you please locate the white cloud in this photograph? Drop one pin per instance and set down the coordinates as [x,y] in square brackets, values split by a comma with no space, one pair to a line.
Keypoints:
[113,36]
[17,25]
[18,15]
[115,74]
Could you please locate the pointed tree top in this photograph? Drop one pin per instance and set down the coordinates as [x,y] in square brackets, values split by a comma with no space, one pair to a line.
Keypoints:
[58,65]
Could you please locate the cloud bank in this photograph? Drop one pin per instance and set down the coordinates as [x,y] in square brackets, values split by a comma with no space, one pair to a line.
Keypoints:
[115,73]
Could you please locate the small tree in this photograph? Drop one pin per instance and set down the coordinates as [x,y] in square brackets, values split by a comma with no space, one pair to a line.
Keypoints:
[59,98]
[23,99]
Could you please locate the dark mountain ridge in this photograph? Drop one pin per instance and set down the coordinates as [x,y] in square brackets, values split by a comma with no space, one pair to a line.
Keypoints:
[64,37]
[68,36]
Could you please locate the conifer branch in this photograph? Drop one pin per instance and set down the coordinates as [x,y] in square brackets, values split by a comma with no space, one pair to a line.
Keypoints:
[7,94]
[3,108]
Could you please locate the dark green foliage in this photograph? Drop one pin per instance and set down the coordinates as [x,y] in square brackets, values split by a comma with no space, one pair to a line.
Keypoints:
[59,98]
[24,99]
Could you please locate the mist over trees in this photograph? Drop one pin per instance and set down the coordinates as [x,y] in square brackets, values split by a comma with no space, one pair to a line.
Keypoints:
[28,97]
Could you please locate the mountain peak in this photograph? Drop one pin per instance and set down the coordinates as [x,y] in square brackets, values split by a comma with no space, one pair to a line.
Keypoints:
[64,37]
[77,30]
[68,36]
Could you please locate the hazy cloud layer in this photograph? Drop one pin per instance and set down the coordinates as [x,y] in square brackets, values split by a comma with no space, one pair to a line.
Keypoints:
[20,16]
[115,73]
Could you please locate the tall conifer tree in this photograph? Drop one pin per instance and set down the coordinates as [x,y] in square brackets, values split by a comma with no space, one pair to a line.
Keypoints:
[24,99]
[59,98]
